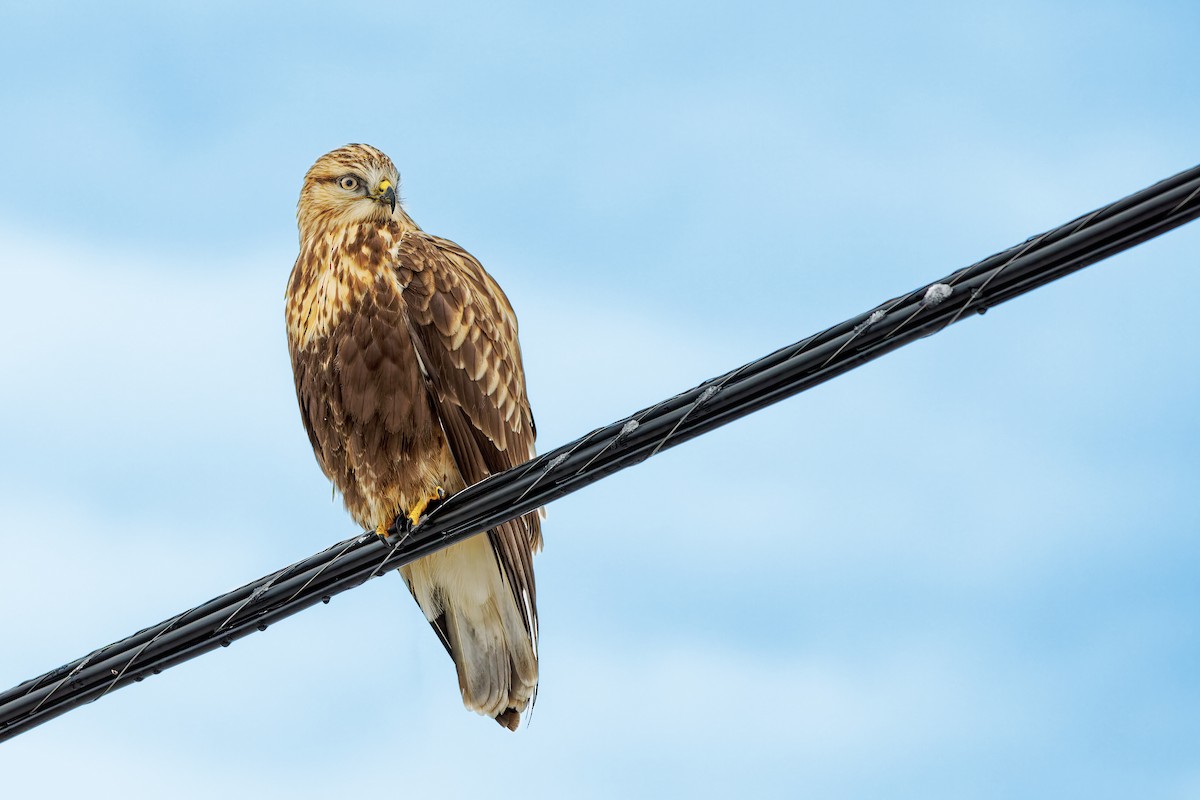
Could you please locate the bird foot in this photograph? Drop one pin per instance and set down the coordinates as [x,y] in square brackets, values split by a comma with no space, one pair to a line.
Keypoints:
[406,521]
[425,505]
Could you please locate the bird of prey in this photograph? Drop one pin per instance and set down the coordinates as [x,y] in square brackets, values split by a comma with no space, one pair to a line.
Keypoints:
[411,387]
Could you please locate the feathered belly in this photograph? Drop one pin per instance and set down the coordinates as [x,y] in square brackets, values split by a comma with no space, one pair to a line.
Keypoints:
[365,404]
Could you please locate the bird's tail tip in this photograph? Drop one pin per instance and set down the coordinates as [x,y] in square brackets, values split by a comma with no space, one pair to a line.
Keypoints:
[510,719]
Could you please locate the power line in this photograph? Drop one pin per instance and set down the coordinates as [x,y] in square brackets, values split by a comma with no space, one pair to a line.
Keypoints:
[974,289]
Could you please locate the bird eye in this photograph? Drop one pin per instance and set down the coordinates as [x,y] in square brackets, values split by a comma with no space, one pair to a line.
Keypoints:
[348,182]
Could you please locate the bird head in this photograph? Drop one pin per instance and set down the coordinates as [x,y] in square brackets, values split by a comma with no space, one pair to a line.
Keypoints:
[350,185]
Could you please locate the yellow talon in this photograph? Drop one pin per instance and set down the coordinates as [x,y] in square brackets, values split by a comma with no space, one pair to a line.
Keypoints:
[414,513]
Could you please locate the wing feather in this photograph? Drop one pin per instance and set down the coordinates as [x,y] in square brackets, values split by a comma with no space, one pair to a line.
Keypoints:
[465,334]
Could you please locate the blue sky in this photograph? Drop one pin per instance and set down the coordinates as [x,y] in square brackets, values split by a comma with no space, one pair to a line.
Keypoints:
[966,570]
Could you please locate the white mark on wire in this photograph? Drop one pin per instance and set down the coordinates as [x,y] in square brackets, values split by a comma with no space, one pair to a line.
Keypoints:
[876,315]
[629,427]
[258,592]
[550,465]
[704,397]
[936,293]
[534,463]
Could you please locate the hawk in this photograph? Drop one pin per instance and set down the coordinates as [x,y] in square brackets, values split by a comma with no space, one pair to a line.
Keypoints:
[411,388]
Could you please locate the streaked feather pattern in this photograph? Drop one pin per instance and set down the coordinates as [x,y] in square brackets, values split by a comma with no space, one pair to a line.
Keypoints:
[409,377]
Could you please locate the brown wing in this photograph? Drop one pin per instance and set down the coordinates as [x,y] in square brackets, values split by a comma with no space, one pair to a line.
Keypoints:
[465,333]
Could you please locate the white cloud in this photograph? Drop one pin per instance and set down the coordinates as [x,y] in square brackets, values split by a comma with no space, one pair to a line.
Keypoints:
[1003,609]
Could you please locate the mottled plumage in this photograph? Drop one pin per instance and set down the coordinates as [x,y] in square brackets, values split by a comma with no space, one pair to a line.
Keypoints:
[409,378]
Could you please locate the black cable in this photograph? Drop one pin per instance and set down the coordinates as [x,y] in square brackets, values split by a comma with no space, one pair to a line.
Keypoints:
[974,289]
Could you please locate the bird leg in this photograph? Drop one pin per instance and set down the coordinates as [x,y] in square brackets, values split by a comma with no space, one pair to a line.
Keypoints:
[425,505]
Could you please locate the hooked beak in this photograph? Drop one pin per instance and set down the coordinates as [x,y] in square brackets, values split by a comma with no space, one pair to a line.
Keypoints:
[386,194]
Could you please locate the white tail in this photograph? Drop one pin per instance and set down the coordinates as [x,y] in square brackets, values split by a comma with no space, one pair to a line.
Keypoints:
[471,606]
